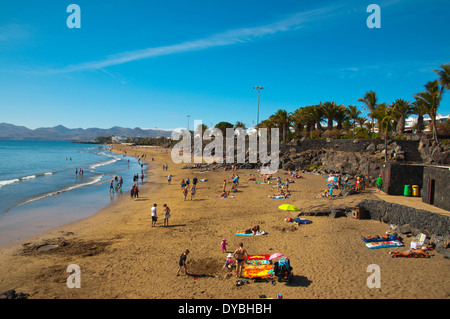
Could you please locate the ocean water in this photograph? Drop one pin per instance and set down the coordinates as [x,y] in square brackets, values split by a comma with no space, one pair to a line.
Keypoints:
[40,188]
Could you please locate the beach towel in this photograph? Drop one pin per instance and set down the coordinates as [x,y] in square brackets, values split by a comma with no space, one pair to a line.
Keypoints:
[262,232]
[258,266]
[260,183]
[279,197]
[384,244]
[302,221]
[414,256]
[367,240]
[232,196]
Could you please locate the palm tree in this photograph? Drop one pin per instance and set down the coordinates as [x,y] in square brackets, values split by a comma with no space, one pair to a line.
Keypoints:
[240,125]
[329,110]
[420,109]
[298,120]
[306,115]
[431,98]
[361,121]
[267,124]
[283,121]
[317,115]
[401,109]
[386,121]
[341,116]
[370,100]
[353,113]
[444,75]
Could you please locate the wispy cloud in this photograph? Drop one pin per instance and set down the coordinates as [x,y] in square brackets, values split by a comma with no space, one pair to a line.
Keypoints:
[13,31]
[229,37]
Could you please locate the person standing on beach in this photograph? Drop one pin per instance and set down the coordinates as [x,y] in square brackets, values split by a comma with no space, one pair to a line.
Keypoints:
[166,214]
[182,262]
[379,183]
[169,178]
[154,215]
[185,191]
[192,192]
[240,254]
[224,184]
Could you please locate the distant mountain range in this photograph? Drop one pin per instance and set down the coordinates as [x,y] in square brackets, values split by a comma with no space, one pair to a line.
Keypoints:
[61,133]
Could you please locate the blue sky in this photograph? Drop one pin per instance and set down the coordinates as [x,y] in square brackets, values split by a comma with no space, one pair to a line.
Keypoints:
[150,63]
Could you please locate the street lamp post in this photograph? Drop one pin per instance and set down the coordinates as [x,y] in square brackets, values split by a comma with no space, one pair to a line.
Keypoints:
[259,88]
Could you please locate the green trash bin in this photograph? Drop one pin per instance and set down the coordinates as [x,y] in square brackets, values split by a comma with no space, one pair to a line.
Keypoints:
[407,190]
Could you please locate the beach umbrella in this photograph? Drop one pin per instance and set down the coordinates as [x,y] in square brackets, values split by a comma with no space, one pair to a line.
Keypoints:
[276,255]
[289,207]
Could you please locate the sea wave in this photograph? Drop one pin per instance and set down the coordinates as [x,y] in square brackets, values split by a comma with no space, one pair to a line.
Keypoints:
[66,189]
[97,164]
[15,180]
[7,182]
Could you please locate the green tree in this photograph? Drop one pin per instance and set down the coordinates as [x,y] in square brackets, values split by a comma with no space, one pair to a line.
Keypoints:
[283,121]
[329,110]
[353,114]
[401,109]
[431,98]
[444,75]
[222,126]
[370,100]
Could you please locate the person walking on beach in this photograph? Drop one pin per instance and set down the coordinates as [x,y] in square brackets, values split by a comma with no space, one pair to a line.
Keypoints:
[169,178]
[166,214]
[182,262]
[185,191]
[192,192]
[154,215]
[379,183]
[239,255]
[111,186]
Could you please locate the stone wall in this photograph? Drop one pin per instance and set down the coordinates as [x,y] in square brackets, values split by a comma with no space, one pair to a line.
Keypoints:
[391,213]
[440,196]
[396,176]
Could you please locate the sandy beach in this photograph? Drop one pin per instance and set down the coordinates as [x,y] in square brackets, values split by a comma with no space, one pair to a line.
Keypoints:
[121,256]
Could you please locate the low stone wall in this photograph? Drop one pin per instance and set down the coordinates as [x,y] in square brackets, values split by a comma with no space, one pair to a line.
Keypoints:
[399,215]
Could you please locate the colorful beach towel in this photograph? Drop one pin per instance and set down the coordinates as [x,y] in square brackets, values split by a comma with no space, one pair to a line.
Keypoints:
[414,256]
[258,266]
[384,244]
[392,237]
[279,197]
[262,232]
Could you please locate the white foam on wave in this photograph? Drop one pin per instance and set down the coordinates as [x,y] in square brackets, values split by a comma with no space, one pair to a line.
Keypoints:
[15,180]
[27,177]
[113,160]
[7,182]
[96,180]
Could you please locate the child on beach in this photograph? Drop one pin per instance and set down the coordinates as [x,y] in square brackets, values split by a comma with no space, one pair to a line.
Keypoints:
[229,262]
[224,245]
[182,262]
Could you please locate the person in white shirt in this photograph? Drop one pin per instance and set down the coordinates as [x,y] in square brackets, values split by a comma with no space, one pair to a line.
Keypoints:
[154,215]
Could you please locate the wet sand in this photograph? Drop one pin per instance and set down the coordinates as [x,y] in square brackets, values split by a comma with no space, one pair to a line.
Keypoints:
[121,256]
